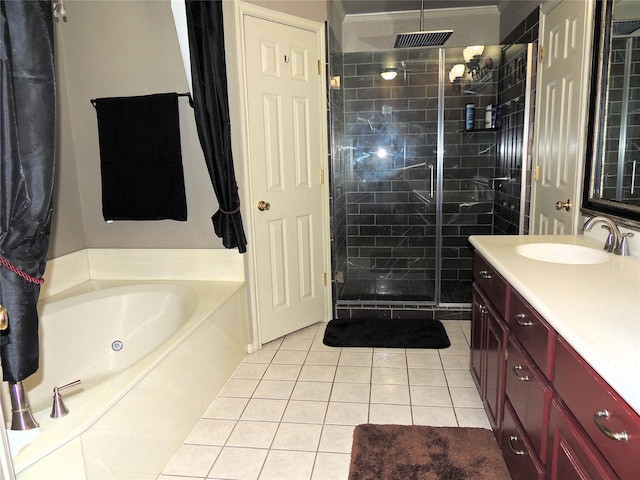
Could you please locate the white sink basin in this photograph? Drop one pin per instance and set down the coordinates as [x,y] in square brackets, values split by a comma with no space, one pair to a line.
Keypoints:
[563,253]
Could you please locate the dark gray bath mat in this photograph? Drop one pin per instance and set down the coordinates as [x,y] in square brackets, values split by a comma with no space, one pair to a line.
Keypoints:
[389,333]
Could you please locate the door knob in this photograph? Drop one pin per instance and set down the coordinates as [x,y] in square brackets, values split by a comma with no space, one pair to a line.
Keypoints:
[262,205]
[566,205]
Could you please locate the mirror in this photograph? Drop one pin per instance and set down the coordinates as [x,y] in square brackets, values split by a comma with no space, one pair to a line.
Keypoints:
[612,180]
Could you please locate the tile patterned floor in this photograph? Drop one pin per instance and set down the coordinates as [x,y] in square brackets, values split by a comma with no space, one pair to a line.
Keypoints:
[289,410]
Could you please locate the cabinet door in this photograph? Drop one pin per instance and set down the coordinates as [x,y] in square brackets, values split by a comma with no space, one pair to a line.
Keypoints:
[478,320]
[571,453]
[496,335]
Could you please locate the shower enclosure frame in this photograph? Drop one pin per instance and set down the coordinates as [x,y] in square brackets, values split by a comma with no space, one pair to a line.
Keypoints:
[523,191]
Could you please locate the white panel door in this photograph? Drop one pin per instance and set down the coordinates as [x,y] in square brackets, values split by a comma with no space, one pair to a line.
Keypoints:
[564,56]
[286,116]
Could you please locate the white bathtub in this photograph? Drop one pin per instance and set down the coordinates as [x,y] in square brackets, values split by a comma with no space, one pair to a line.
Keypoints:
[180,342]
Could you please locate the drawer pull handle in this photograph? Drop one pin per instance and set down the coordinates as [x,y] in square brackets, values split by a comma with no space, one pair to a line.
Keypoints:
[522,378]
[485,274]
[514,438]
[519,320]
[604,414]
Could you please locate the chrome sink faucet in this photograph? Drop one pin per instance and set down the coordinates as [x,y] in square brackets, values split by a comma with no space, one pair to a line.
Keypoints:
[618,244]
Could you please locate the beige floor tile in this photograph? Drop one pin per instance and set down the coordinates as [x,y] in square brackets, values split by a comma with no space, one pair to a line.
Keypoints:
[432,396]
[425,376]
[192,460]
[331,466]
[279,389]
[390,394]
[343,413]
[336,438]
[434,416]
[253,434]
[288,465]
[302,411]
[319,391]
[264,410]
[297,436]
[390,414]
[239,463]
[351,392]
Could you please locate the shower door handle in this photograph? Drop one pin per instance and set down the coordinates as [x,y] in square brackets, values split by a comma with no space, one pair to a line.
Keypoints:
[431,183]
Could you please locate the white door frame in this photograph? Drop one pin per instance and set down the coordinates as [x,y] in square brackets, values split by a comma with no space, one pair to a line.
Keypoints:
[238,111]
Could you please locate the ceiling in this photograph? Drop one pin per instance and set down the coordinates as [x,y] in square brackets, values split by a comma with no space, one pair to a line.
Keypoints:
[352,7]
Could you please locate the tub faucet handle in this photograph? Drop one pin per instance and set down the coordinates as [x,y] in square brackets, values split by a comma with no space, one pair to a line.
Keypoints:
[59,409]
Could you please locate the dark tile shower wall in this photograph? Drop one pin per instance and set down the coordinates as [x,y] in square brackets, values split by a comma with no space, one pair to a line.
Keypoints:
[512,83]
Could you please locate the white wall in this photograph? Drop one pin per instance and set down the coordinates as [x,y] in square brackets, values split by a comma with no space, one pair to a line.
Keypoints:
[123,48]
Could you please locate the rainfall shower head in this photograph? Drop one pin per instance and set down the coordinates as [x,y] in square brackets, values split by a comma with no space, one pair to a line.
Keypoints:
[434,38]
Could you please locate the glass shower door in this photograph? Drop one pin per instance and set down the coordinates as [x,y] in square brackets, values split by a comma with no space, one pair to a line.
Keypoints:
[385,178]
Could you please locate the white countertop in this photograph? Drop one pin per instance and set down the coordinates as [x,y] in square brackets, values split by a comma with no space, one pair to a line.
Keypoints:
[595,308]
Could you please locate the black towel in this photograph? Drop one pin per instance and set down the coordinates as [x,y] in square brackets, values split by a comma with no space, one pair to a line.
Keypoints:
[140,158]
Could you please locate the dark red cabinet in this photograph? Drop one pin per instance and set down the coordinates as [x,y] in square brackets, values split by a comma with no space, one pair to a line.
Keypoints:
[553,415]
[488,340]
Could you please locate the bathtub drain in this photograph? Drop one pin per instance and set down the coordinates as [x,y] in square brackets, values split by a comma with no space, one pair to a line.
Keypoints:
[117,345]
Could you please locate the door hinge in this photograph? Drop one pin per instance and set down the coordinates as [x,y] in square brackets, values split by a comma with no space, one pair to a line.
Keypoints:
[319,68]
[506,355]
[321,177]
[324,279]
[536,173]
[541,54]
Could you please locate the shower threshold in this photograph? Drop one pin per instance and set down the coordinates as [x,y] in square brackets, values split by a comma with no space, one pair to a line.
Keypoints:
[404,291]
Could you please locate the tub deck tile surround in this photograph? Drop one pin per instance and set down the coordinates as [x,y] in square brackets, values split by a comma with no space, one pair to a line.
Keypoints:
[289,410]
[106,450]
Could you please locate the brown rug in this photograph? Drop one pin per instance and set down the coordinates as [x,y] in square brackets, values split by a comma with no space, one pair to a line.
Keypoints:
[403,452]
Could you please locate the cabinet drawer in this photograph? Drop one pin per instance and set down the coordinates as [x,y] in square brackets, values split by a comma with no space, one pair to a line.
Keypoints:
[491,283]
[530,395]
[533,333]
[518,454]
[588,397]
[571,454]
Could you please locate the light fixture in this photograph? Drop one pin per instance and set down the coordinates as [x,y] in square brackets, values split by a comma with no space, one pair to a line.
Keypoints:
[473,53]
[456,73]
[472,56]
[389,73]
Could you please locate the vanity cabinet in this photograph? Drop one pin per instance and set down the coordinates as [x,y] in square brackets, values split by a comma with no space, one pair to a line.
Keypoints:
[554,416]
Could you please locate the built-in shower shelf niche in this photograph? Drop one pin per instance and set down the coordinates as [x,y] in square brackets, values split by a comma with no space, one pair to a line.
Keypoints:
[478,87]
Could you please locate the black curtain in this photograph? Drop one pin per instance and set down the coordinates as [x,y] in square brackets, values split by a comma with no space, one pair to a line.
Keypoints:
[27,150]
[208,72]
